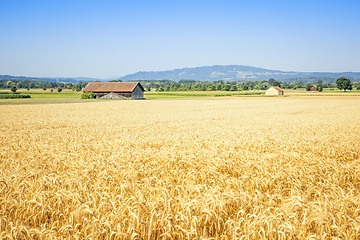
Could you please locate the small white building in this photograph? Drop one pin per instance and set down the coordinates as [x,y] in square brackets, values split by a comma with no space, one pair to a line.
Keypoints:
[274,91]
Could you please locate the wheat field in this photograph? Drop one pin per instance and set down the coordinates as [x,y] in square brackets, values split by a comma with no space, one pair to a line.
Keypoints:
[224,168]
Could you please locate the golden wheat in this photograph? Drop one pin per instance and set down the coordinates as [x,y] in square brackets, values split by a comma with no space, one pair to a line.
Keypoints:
[232,168]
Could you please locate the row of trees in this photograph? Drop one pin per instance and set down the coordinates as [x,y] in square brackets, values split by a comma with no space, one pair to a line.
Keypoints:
[41,85]
[191,85]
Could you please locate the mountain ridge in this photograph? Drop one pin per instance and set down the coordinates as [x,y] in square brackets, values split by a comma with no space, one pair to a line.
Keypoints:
[208,73]
[235,73]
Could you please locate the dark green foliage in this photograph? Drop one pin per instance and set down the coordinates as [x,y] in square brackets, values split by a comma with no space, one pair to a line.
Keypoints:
[160,89]
[88,95]
[294,85]
[227,87]
[10,96]
[36,84]
[78,87]
[276,84]
[59,89]
[271,81]
[319,87]
[13,89]
[308,87]
[44,88]
[233,88]
[343,83]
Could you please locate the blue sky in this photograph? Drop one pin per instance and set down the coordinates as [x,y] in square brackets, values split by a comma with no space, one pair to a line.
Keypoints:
[109,39]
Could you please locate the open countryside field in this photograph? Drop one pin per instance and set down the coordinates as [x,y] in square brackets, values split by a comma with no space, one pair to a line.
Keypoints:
[218,168]
[39,96]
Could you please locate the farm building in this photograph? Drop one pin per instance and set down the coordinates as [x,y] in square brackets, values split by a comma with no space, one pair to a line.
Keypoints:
[114,90]
[313,88]
[275,91]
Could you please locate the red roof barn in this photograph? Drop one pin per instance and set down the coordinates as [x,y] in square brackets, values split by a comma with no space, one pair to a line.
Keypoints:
[114,90]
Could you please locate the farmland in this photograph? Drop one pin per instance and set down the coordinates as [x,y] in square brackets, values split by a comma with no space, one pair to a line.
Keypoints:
[215,168]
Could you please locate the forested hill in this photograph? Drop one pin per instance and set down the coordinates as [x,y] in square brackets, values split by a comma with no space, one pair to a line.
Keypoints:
[215,73]
[49,79]
[237,73]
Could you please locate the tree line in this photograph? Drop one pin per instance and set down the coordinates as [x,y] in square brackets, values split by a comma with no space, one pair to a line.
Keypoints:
[191,85]
[27,84]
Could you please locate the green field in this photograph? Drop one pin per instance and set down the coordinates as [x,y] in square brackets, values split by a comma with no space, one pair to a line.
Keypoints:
[68,96]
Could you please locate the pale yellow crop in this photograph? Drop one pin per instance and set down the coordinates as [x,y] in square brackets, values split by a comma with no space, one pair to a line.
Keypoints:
[232,168]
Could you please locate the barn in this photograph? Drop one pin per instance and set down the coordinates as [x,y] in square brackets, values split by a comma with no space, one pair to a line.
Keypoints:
[275,91]
[313,88]
[116,90]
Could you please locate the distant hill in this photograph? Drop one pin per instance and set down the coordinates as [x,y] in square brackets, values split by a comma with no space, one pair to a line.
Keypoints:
[211,73]
[237,73]
[62,79]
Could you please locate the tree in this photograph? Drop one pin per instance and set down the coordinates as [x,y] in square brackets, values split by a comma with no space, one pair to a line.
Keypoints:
[358,86]
[59,89]
[276,83]
[259,86]
[78,87]
[233,88]
[343,83]
[160,89]
[13,89]
[245,87]
[271,81]
[308,87]
[227,87]
[44,88]
[319,87]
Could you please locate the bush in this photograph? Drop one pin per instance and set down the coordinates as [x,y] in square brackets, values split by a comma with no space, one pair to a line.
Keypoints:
[13,89]
[59,89]
[78,87]
[87,95]
[9,96]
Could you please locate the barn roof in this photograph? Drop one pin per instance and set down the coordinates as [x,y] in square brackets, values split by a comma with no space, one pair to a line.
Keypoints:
[111,87]
[278,89]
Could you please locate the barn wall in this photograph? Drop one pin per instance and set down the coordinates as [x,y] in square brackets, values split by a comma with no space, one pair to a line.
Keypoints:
[138,93]
[272,91]
[110,96]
